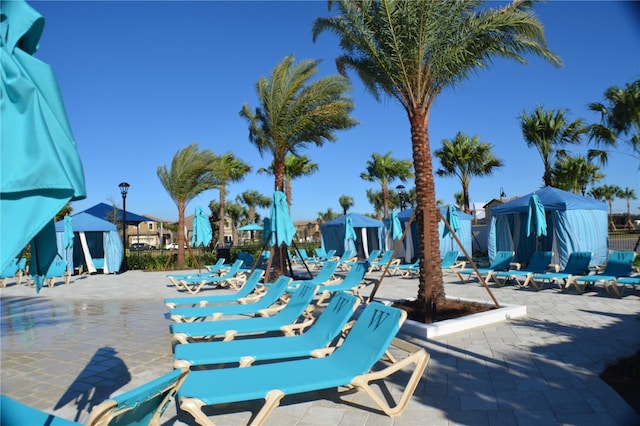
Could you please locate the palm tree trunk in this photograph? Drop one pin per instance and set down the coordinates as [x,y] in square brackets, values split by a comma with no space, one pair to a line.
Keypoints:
[431,286]
[181,236]
[385,200]
[221,223]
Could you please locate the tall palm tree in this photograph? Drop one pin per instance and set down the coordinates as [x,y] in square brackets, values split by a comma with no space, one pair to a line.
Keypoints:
[253,199]
[295,112]
[466,157]
[232,169]
[346,202]
[548,131]
[607,193]
[412,51]
[574,173]
[192,172]
[295,166]
[628,194]
[620,117]
[384,169]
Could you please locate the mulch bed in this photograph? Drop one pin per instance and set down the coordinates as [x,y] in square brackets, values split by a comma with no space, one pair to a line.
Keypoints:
[624,378]
[448,310]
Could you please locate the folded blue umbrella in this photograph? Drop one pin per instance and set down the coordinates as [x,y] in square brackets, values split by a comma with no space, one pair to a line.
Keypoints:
[40,169]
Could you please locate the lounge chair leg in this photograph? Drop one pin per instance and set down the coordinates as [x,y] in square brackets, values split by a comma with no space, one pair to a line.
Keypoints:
[194,407]
[419,358]
[272,400]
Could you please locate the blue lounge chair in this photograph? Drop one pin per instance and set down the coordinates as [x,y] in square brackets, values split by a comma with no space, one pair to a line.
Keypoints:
[386,258]
[323,277]
[217,267]
[501,262]
[352,283]
[347,258]
[248,289]
[405,270]
[314,341]
[619,265]
[321,257]
[299,255]
[373,255]
[539,263]
[232,278]
[285,320]
[57,269]
[349,365]
[450,262]
[577,264]
[143,405]
[14,270]
[618,286]
[261,306]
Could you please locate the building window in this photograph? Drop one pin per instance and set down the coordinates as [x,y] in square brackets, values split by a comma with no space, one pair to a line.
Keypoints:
[150,226]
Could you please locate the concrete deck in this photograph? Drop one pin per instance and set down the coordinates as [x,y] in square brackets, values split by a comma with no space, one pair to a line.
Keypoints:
[70,347]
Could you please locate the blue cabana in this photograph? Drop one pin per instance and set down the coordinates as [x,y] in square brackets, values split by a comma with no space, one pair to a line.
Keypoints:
[574,223]
[447,243]
[110,213]
[96,245]
[369,234]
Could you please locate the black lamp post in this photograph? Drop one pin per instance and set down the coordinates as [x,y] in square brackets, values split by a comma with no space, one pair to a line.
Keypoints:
[401,195]
[124,188]
[502,194]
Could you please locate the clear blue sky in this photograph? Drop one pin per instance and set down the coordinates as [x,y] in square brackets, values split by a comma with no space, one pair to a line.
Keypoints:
[141,80]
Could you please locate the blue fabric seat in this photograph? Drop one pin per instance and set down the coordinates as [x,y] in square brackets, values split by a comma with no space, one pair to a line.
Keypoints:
[248,289]
[312,342]
[577,264]
[501,262]
[619,265]
[349,365]
[273,294]
[295,314]
[539,263]
[352,283]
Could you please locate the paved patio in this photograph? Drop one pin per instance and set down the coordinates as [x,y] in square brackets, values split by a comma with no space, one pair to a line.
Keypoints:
[70,347]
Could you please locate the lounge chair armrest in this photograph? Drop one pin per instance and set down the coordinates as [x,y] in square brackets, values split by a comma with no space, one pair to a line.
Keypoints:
[515,265]
[291,329]
[322,352]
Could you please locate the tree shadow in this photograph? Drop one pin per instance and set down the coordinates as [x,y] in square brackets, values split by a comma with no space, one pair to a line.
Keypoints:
[104,374]
[549,376]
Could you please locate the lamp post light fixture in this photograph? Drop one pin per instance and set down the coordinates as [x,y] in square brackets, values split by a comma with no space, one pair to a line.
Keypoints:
[402,195]
[124,188]
[502,194]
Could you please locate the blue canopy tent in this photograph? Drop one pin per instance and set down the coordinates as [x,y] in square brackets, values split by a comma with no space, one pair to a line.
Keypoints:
[369,234]
[111,213]
[96,245]
[447,243]
[574,223]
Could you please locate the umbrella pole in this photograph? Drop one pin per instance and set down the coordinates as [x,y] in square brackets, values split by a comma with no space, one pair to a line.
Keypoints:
[395,250]
[473,264]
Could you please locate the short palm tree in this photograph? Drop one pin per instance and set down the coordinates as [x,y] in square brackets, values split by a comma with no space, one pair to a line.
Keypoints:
[607,193]
[620,117]
[384,169]
[465,157]
[346,202]
[548,131]
[628,194]
[295,112]
[192,172]
[253,199]
[413,50]
[574,173]
[232,169]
